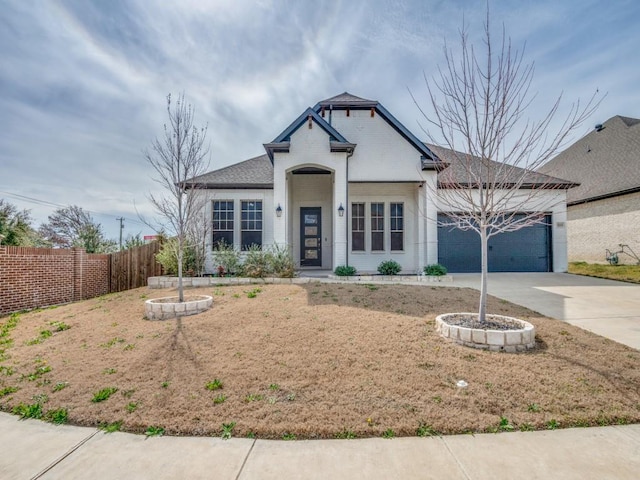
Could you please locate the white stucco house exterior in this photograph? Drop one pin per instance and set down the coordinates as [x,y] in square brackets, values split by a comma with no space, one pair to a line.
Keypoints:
[347,184]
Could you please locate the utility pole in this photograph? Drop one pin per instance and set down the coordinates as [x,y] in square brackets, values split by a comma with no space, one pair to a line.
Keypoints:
[121,220]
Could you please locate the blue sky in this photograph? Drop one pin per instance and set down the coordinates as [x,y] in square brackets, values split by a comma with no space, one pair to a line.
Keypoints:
[84,82]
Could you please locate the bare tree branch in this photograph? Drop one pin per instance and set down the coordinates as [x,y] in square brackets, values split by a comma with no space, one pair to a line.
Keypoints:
[479,102]
[177,159]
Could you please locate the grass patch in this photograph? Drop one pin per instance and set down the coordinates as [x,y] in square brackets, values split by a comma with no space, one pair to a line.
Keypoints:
[215,384]
[623,273]
[110,427]
[8,391]
[58,416]
[103,394]
[154,431]
[227,430]
[23,410]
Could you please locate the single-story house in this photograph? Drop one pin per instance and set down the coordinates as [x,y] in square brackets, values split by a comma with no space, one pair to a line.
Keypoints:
[604,211]
[347,184]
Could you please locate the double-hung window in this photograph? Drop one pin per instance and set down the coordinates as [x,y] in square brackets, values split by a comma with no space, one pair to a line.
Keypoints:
[357,227]
[222,223]
[397,226]
[251,224]
[377,227]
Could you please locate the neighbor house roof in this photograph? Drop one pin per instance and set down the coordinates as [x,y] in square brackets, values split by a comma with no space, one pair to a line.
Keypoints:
[257,172]
[460,164]
[606,161]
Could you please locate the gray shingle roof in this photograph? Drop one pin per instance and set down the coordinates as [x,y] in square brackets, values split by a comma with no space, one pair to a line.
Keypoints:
[605,162]
[256,172]
[347,99]
[456,172]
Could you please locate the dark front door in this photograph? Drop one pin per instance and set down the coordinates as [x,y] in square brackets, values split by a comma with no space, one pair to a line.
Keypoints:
[310,237]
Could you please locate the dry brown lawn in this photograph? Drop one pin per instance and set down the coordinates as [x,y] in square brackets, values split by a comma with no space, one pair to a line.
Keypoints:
[314,361]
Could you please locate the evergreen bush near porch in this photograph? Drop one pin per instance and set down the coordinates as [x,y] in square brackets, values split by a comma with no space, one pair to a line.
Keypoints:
[345,271]
[389,267]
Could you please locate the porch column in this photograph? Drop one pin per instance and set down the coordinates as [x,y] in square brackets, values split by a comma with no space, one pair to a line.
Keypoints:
[421,226]
[431,216]
[280,185]
[340,230]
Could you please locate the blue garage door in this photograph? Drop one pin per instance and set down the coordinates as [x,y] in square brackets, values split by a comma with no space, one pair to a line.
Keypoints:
[525,250]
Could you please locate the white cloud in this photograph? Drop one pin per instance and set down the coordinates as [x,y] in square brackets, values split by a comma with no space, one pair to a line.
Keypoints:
[84,83]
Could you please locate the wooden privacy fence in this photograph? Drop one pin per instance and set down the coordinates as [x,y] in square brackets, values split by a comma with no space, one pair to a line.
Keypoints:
[131,268]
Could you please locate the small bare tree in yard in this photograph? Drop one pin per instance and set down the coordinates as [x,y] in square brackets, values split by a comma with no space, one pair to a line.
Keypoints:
[477,106]
[178,157]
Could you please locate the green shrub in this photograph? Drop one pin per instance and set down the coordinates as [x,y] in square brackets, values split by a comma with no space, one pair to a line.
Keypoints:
[345,271]
[257,262]
[168,257]
[226,259]
[389,267]
[281,262]
[435,270]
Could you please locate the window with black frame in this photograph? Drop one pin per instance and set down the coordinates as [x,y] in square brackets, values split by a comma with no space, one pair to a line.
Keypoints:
[222,223]
[377,227]
[397,226]
[251,224]
[357,227]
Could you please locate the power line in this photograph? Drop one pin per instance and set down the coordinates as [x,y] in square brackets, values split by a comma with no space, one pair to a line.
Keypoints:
[59,205]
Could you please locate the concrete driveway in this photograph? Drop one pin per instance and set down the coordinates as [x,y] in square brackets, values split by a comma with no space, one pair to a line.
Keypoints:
[605,307]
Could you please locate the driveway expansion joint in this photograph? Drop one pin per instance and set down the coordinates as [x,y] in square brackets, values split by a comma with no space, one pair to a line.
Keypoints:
[245,459]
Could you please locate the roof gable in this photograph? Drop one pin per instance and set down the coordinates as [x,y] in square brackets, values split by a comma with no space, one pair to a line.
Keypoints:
[346,101]
[282,142]
[606,161]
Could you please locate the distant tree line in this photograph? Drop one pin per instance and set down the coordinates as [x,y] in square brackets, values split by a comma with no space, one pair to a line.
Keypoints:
[66,228]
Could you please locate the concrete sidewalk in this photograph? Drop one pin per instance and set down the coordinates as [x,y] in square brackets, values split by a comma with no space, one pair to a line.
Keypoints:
[32,449]
[604,307]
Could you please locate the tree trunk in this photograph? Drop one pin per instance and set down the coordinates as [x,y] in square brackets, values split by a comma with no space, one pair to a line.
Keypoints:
[483,275]
[180,290]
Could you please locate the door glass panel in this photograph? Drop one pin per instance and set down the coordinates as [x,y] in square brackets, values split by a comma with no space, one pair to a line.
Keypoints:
[310,230]
[310,242]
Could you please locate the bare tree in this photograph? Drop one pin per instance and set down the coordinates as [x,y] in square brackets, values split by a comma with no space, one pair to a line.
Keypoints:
[177,158]
[74,227]
[478,103]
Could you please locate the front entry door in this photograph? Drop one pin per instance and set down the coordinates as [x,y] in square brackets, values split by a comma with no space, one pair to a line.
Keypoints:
[310,237]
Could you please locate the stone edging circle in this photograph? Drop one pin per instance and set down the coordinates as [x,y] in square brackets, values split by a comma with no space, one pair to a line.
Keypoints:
[509,341]
[169,307]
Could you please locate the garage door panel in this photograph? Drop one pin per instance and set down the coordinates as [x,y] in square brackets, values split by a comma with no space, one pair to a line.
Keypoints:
[525,250]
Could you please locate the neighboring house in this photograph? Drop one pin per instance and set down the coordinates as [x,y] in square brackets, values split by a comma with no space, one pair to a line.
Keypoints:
[604,211]
[347,184]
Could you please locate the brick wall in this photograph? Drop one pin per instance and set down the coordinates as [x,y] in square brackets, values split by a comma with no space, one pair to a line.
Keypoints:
[596,226]
[38,277]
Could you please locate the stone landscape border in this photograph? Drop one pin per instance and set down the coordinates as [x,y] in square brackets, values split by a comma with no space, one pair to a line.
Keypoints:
[169,307]
[510,341]
[172,282]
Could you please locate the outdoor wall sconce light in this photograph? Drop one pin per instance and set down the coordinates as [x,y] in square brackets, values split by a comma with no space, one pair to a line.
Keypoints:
[341,210]
[279,211]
